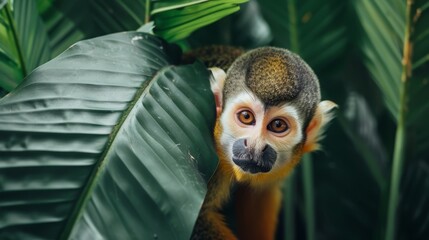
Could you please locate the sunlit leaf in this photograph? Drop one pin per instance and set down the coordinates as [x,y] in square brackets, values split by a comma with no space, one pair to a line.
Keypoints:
[179,23]
[166,5]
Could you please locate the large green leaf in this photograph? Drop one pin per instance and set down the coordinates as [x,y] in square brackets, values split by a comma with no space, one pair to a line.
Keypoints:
[23,42]
[104,142]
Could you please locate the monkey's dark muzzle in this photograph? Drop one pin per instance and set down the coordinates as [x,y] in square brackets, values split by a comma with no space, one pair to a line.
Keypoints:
[253,161]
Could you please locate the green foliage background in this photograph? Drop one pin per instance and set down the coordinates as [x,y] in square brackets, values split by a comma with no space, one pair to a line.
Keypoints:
[371,179]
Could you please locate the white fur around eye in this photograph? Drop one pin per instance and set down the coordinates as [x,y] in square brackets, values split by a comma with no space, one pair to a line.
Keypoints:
[231,131]
[285,145]
[292,114]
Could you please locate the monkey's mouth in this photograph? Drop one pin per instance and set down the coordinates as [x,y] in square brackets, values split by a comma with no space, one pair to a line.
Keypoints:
[252,166]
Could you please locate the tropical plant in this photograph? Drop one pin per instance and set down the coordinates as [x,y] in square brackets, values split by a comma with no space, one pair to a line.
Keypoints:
[395,45]
[149,114]
[100,141]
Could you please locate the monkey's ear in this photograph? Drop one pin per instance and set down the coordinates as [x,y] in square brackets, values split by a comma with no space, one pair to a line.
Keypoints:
[316,127]
[216,82]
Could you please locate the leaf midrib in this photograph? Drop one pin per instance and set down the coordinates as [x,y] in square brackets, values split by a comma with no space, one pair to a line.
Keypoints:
[97,169]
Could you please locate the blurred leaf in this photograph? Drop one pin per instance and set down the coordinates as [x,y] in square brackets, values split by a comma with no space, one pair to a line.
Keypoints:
[349,175]
[23,42]
[229,30]
[347,194]
[257,32]
[104,141]
[361,127]
[179,23]
[71,21]
[383,26]
[415,202]
[396,46]
[320,39]
[418,106]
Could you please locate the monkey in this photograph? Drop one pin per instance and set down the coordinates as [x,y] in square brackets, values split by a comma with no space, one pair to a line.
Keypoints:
[269,113]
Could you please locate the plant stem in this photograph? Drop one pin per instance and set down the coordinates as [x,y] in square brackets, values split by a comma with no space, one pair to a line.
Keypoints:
[289,209]
[15,38]
[147,12]
[307,179]
[400,138]
[289,206]
[307,166]
[293,26]
[398,159]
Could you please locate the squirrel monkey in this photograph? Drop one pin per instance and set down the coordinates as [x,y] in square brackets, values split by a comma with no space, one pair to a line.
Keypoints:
[269,115]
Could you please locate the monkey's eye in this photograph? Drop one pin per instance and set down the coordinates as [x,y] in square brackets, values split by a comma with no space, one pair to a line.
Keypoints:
[278,126]
[246,117]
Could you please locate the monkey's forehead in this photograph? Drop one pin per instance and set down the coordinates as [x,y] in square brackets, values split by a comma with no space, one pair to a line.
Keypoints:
[275,76]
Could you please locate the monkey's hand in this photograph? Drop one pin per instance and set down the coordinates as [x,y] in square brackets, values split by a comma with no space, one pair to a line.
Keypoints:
[211,226]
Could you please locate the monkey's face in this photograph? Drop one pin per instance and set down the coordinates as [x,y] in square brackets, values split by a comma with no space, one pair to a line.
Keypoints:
[259,139]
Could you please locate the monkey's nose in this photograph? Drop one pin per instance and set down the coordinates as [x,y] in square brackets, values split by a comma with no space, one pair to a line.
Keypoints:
[265,148]
[269,155]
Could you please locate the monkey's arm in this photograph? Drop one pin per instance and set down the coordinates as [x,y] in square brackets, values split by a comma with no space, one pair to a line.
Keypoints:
[210,224]
[257,212]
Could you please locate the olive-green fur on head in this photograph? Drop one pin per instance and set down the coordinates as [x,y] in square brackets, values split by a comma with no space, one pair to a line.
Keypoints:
[275,76]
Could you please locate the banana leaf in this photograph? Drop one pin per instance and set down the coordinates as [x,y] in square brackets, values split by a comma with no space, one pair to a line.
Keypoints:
[109,140]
